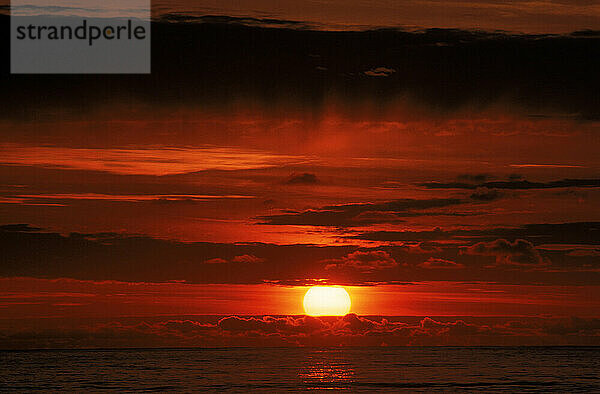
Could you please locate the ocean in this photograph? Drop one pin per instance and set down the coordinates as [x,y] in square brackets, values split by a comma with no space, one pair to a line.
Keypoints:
[360,369]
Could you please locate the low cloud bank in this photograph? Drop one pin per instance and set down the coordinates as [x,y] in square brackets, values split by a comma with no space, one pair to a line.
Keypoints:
[349,330]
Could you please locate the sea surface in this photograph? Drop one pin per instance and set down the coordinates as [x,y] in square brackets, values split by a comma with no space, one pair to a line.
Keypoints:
[411,369]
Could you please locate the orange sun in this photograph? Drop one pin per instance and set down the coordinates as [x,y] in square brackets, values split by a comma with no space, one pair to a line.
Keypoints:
[327,301]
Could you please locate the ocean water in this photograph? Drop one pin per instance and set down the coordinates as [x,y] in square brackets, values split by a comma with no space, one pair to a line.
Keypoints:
[411,369]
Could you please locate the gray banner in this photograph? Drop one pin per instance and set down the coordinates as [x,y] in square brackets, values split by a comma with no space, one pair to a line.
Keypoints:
[74,44]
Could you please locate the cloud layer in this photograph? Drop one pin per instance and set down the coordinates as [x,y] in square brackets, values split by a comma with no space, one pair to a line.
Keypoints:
[545,253]
[432,68]
[349,330]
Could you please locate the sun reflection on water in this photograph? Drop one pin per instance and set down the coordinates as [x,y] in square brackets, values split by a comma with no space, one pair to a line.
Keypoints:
[326,369]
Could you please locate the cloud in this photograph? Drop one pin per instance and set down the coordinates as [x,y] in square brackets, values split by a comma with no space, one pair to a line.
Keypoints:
[365,261]
[544,233]
[584,253]
[130,198]
[283,325]
[515,184]
[293,331]
[456,328]
[546,166]
[143,161]
[515,177]
[519,69]
[426,247]
[216,260]
[574,326]
[137,258]
[478,178]
[485,194]
[436,263]
[302,179]
[380,72]
[242,21]
[21,227]
[519,253]
[360,214]
[247,258]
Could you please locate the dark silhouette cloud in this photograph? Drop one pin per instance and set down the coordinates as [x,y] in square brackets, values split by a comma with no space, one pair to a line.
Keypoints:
[122,257]
[560,233]
[245,258]
[485,194]
[436,263]
[515,184]
[213,60]
[302,179]
[474,177]
[292,331]
[139,258]
[519,252]
[365,261]
[515,177]
[19,228]
[224,19]
[359,214]
[574,326]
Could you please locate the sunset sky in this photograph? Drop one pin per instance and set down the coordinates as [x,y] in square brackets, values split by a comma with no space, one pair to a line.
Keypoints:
[441,165]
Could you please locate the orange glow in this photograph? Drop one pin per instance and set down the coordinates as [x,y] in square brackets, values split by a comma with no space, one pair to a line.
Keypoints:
[327,301]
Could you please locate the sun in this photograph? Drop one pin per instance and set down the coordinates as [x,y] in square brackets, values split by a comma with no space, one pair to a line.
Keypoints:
[327,301]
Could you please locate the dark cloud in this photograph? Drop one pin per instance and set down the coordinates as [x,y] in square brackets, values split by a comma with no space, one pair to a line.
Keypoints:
[302,179]
[485,194]
[364,261]
[213,63]
[515,177]
[18,228]
[292,331]
[224,19]
[574,326]
[560,233]
[586,33]
[474,177]
[456,328]
[121,257]
[139,258]
[436,263]
[520,252]
[515,184]
[245,258]
[360,214]
[584,252]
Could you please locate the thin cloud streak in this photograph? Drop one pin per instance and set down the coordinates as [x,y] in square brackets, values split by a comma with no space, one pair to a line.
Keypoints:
[150,161]
[126,198]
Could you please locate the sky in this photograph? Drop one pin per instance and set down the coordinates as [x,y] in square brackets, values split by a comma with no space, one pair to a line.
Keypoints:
[439,162]
[554,16]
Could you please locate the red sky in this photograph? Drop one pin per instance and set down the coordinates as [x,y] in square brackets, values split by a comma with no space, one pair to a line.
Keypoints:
[448,174]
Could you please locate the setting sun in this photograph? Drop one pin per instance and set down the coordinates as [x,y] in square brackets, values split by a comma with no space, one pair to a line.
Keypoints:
[327,301]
